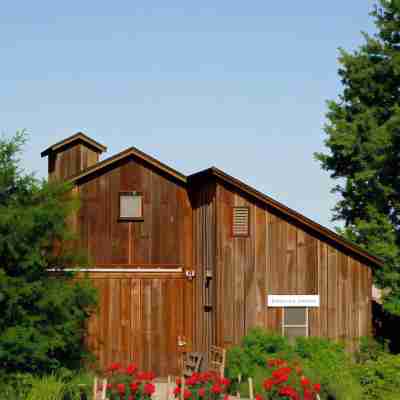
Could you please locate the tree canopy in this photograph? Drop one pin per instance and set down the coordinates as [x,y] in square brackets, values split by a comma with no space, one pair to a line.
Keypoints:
[363,139]
[42,317]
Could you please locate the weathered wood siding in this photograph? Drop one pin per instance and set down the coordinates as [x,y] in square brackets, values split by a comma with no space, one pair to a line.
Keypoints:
[164,237]
[139,319]
[70,161]
[279,257]
[204,225]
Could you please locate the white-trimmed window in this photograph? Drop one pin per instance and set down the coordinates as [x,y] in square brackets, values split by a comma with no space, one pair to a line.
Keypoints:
[130,206]
[294,322]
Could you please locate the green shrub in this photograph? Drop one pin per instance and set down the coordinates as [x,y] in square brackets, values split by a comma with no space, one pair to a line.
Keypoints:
[380,378]
[250,358]
[327,362]
[323,361]
[47,388]
[42,319]
[15,386]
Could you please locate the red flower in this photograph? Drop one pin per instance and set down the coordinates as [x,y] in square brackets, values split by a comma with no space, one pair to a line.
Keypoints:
[177,391]
[131,369]
[308,395]
[268,383]
[202,392]
[226,397]
[224,382]
[191,381]
[187,394]
[305,382]
[149,389]
[317,387]
[289,392]
[121,388]
[145,376]
[134,387]
[109,386]
[114,367]
[258,397]
[281,372]
[216,389]
[178,381]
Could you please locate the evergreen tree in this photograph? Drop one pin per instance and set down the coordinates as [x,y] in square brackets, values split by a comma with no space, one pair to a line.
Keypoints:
[363,138]
[42,316]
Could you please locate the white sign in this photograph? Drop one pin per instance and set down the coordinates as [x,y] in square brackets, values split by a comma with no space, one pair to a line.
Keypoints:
[293,300]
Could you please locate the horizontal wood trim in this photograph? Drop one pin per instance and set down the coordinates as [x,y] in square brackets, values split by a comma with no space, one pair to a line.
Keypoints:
[119,270]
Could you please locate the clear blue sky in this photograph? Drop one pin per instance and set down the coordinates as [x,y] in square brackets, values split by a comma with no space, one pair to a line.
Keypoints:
[240,85]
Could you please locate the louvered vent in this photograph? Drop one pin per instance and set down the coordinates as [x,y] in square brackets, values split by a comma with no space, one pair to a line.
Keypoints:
[240,221]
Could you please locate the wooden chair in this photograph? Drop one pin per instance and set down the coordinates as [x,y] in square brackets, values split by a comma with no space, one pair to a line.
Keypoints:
[191,363]
[216,360]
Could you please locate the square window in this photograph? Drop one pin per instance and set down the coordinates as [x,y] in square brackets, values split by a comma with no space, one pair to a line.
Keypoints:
[295,322]
[295,316]
[130,206]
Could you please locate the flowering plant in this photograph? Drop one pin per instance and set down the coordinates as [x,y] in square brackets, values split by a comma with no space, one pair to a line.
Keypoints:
[202,386]
[287,382]
[129,383]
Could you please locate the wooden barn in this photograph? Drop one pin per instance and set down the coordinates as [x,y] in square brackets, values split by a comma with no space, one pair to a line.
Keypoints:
[185,262]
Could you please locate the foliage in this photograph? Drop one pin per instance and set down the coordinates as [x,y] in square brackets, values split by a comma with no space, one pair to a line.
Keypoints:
[129,383]
[206,385]
[327,362]
[363,140]
[46,388]
[244,360]
[287,381]
[75,386]
[323,361]
[371,349]
[380,378]
[42,318]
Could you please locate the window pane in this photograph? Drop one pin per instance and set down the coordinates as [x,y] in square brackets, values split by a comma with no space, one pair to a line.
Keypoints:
[130,206]
[292,333]
[295,316]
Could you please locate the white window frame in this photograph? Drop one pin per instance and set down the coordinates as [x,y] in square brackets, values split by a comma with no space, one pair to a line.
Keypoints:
[307,325]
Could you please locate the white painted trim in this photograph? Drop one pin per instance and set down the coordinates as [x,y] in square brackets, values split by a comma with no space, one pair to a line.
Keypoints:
[130,270]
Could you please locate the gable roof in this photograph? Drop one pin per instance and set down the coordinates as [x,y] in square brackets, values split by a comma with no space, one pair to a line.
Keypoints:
[130,152]
[77,137]
[216,173]
[293,215]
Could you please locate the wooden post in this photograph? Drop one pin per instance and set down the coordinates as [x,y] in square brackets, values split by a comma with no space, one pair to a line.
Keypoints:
[104,390]
[95,388]
[251,391]
[168,387]
[239,382]
[183,388]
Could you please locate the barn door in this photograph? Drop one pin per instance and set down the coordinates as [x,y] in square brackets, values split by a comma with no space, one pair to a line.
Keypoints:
[142,320]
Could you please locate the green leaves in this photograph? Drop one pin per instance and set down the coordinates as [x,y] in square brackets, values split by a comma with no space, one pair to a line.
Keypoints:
[42,319]
[363,139]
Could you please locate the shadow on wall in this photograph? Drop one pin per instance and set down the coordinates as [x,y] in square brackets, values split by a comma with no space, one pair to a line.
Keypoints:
[386,326]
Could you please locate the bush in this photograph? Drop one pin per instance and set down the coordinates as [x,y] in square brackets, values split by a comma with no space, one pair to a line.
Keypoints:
[247,359]
[380,378]
[323,361]
[328,363]
[46,388]
[42,319]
